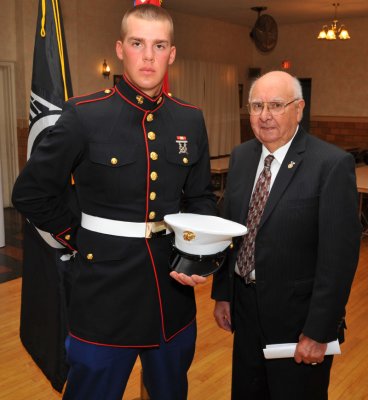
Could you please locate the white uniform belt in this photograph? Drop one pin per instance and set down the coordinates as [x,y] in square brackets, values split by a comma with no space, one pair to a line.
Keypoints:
[122,228]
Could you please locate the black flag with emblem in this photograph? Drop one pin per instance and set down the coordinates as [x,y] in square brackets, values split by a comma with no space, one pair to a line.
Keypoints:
[51,84]
[43,325]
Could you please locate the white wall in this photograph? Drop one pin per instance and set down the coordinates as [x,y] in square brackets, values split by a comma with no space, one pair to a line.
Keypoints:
[339,70]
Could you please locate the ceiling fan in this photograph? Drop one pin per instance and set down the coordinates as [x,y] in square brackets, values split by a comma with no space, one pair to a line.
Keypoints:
[265,32]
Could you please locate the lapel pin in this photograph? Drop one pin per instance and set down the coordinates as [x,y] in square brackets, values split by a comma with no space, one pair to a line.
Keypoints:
[291,164]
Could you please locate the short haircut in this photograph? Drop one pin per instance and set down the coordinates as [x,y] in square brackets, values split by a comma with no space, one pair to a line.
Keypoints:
[147,12]
[298,92]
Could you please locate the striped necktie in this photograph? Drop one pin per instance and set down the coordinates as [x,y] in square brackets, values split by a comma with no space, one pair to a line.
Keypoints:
[245,258]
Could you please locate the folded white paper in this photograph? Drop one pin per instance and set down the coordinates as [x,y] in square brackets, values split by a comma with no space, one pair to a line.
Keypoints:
[285,350]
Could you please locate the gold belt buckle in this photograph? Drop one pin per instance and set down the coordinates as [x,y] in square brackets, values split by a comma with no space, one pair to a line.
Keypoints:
[153,227]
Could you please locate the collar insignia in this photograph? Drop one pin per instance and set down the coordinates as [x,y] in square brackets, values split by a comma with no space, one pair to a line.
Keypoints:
[291,164]
[139,99]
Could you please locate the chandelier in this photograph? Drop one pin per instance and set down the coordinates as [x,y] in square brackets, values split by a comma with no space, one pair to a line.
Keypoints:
[334,31]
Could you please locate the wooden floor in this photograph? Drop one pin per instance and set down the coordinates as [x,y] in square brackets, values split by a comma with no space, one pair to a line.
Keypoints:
[209,376]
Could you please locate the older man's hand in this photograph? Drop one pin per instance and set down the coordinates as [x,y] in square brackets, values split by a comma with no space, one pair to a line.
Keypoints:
[222,315]
[309,351]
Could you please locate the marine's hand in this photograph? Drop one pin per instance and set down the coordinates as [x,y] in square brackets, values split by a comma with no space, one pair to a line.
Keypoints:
[309,351]
[192,280]
[222,315]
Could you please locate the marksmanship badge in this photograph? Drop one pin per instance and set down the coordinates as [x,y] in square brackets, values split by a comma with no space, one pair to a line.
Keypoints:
[182,143]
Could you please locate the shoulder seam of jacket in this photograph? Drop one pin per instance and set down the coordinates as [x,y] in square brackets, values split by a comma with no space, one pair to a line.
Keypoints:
[180,103]
[104,94]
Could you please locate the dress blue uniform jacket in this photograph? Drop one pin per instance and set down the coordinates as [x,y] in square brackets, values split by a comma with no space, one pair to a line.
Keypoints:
[133,158]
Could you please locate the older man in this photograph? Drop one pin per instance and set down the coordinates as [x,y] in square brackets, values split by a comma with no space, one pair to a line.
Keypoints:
[289,278]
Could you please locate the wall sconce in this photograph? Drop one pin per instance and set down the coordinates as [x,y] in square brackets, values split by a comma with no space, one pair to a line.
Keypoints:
[105,70]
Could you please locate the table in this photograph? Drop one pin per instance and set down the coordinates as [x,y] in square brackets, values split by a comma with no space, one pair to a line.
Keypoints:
[362,186]
[220,166]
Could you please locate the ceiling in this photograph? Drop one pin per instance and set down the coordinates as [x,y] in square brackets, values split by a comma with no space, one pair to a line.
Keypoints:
[283,11]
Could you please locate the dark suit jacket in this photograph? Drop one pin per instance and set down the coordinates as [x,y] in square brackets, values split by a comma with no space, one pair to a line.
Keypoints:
[307,245]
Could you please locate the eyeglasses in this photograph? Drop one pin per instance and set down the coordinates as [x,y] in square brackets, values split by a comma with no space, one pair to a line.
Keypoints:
[274,107]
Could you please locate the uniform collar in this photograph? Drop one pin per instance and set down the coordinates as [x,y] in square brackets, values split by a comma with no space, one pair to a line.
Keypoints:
[136,97]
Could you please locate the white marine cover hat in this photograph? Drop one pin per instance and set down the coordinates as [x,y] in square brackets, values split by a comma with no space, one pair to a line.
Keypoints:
[200,242]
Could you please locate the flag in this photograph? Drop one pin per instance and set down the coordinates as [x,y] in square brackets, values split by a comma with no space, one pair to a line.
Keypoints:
[158,3]
[43,322]
[51,84]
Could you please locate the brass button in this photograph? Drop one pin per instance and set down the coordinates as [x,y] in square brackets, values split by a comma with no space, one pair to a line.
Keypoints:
[154,176]
[152,196]
[152,215]
[107,91]
[169,94]
[89,256]
[185,160]
[114,161]
[149,117]
[151,135]
[67,237]
[154,156]
[231,245]
[159,100]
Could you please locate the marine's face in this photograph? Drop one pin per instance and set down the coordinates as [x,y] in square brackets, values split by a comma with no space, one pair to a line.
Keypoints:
[146,52]
[275,130]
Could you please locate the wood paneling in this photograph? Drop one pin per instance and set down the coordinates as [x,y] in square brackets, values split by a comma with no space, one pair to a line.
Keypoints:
[344,132]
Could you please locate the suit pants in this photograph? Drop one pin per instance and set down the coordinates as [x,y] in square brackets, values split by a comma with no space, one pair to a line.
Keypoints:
[254,377]
[102,372]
